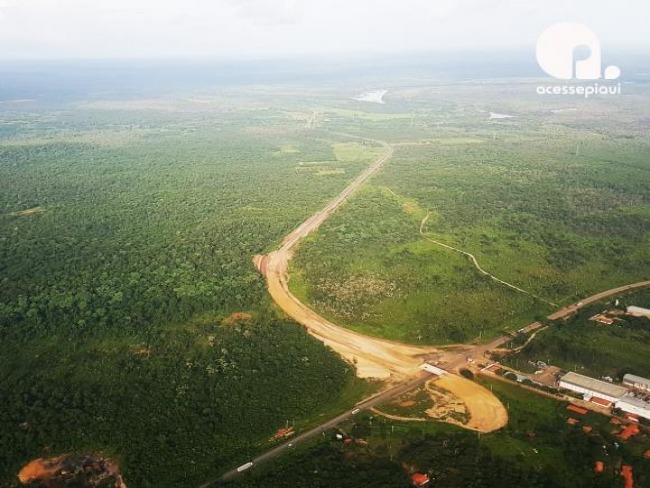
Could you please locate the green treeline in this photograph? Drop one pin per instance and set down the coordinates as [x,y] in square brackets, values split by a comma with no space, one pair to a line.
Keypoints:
[174,408]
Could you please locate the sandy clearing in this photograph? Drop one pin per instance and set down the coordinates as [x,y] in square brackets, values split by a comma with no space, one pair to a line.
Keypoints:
[487,413]
[40,469]
[62,470]
[455,399]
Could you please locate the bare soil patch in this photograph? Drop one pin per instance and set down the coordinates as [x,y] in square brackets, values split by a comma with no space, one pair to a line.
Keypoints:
[447,406]
[83,470]
[236,317]
[486,412]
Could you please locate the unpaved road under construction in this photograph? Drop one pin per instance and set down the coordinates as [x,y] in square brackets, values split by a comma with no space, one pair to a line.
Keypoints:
[378,358]
[373,357]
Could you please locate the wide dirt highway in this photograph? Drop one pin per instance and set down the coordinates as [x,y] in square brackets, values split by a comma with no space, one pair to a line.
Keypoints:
[379,358]
[373,358]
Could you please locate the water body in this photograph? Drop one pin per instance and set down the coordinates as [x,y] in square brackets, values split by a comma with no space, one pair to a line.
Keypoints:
[494,115]
[376,96]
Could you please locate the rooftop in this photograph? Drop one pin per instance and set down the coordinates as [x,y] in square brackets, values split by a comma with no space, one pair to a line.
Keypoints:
[637,402]
[594,385]
[632,378]
[632,310]
[420,479]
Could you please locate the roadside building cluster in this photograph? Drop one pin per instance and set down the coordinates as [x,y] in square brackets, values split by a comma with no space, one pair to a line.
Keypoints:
[632,397]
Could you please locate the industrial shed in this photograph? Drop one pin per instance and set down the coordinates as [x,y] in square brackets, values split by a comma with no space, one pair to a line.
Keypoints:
[636,382]
[637,406]
[591,387]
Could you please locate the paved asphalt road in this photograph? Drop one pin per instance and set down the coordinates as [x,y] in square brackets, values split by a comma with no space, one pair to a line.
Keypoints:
[364,405]
[450,365]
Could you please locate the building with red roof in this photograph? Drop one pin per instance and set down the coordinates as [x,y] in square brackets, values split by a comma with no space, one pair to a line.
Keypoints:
[629,431]
[580,410]
[626,473]
[419,479]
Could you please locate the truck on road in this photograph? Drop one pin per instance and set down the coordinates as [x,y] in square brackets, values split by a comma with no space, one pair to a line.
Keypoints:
[244,467]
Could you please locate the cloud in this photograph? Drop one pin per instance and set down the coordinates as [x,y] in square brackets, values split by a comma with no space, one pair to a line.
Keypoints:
[270,12]
[233,28]
[5,7]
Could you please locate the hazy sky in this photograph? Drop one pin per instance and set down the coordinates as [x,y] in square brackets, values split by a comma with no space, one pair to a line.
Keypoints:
[263,28]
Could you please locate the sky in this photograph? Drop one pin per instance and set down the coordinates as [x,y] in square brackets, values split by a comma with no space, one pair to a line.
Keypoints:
[69,29]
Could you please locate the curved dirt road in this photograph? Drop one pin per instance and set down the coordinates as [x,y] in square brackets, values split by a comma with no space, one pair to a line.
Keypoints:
[381,358]
[373,358]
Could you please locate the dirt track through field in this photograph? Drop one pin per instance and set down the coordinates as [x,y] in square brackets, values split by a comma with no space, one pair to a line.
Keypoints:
[381,358]
[478,266]
[372,357]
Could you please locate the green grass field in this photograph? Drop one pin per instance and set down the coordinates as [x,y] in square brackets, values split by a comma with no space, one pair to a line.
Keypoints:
[555,206]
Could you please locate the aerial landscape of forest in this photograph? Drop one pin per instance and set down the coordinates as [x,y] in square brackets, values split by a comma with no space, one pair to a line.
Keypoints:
[411,270]
[129,229]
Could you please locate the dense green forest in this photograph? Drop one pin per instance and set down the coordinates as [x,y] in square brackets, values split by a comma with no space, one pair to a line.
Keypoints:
[127,233]
[128,227]
[536,449]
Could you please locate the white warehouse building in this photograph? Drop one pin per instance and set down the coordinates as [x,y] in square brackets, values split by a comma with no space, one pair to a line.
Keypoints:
[636,382]
[591,387]
[637,406]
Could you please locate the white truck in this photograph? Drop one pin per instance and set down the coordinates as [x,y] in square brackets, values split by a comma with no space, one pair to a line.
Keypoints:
[244,467]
